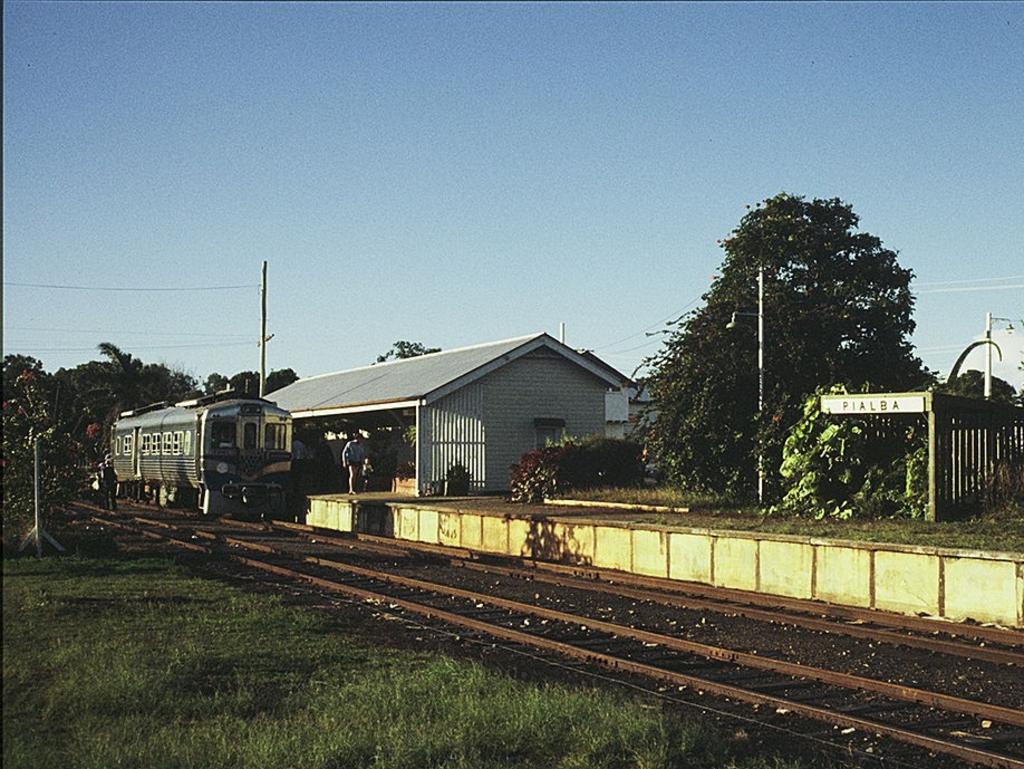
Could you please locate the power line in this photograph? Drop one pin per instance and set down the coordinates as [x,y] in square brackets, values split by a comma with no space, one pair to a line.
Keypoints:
[968,288]
[144,347]
[968,280]
[119,332]
[123,288]
[676,314]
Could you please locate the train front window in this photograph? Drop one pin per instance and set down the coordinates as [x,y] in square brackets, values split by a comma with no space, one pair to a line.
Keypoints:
[223,435]
[250,435]
[274,437]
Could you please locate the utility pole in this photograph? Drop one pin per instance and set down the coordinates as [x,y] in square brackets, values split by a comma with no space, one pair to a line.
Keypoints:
[988,355]
[263,330]
[760,380]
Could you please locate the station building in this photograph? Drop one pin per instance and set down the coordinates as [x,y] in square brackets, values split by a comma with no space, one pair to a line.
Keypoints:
[481,407]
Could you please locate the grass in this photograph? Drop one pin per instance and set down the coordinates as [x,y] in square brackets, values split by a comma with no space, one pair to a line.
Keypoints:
[135,663]
[1004,533]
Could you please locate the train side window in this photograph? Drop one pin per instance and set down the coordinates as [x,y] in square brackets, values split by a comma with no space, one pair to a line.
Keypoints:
[223,435]
[187,442]
[274,437]
[144,449]
[129,444]
[155,444]
[167,443]
[177,442]
[117,446]
[250,435]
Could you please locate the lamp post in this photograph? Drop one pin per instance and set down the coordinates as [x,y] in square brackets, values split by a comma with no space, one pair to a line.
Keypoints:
[760,372]
[989,344]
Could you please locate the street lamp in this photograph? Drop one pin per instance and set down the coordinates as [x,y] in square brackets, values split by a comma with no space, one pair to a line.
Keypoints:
[989,344]
[760,372]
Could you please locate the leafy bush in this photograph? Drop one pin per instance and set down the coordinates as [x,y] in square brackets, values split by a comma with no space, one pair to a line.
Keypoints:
[28,414]
[843,467]
[575,464]
[1004,491]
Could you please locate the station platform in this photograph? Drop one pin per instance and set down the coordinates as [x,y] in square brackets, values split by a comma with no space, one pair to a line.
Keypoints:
[944,583]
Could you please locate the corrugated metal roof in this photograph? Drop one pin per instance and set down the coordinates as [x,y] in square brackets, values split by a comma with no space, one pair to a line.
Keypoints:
[410,379]
[399,380]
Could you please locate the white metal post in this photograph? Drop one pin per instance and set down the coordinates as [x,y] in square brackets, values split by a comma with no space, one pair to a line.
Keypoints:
[263,331]
[760,381]
[39,528]
[417,450]
[988,355]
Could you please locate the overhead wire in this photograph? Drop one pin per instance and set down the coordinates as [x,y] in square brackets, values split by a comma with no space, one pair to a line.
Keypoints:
[965,281]
[143,347]
[961,289]
[677,314]
[113,332]
[129,288]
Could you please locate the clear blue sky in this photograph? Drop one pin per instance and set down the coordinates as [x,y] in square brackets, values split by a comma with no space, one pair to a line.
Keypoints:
[460,173]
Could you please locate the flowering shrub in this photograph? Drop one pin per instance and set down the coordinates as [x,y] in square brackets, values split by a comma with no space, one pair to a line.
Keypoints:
[575,464]
[28,416]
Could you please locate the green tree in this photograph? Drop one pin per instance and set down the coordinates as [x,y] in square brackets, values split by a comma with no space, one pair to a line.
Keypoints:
[245,383]
[280,378]
[30,412]
[403,349]
[215,383]
[837,309]
[971,384]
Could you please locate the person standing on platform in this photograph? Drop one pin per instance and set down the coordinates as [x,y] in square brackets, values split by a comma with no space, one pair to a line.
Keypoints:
[108,483]
[352,457]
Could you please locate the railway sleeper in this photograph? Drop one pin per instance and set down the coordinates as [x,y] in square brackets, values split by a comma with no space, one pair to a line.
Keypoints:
[1001,738]
[770,686]
[945,724]
[873,707]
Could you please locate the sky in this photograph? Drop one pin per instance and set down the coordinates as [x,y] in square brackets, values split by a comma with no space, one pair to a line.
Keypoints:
[462,173]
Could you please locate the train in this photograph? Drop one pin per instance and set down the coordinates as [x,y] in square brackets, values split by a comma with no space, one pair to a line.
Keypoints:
[221,454]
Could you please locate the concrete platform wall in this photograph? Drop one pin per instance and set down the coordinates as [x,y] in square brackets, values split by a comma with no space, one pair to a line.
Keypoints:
[946,583]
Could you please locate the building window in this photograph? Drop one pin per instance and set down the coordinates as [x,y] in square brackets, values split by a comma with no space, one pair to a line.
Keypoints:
[547,430]
[275,437]
[177,442]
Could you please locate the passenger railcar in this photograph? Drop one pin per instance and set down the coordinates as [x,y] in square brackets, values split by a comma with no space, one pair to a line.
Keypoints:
[221,453]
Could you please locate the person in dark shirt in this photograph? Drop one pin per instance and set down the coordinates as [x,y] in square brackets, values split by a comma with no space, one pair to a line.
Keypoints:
[108,483]
[352,457]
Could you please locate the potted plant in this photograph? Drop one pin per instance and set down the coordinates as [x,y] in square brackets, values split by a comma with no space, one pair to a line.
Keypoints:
[405,479]
[456,481]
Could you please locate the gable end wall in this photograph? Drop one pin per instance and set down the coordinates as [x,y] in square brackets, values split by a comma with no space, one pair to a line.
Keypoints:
[540,384]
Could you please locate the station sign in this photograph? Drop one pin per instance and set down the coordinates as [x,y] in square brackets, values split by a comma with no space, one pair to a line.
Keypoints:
[876,405]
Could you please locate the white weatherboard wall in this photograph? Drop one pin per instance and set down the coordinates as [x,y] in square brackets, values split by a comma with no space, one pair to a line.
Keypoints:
[541,384]
[938,582]
[489,424]
[452,432]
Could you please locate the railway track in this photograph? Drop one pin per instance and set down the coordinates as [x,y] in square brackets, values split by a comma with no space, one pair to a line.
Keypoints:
[968,641]
[978,732]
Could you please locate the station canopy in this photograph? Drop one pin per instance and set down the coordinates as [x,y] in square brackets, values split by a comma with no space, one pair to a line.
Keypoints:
[417,381]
